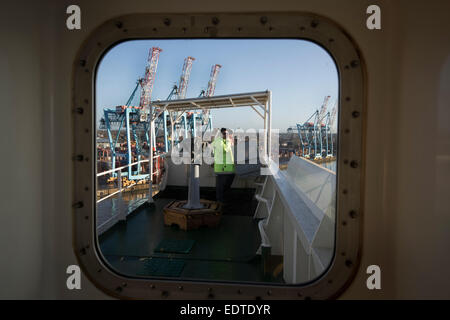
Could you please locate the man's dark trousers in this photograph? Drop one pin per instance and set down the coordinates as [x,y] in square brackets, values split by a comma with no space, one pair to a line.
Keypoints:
[223,185]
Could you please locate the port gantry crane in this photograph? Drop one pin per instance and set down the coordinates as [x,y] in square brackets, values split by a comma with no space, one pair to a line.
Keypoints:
[206,118]
[135,118]
[181,94]
[320,128]
[179,119]
[329,121]
[313,131]
[190,121]
[306,133]
[332,118]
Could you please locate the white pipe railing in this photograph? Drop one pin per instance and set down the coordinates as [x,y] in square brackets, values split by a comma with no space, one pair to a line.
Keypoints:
[119,177]
[121,168]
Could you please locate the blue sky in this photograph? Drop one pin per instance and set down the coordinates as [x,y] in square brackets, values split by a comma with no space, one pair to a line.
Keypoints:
[299,73]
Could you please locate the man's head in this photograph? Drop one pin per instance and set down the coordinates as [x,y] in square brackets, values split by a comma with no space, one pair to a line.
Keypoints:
[224,132]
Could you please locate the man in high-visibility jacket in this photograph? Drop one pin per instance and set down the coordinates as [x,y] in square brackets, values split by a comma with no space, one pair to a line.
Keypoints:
[223,164]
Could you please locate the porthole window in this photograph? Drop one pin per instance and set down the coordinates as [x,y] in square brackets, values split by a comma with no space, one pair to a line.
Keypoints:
[219,157]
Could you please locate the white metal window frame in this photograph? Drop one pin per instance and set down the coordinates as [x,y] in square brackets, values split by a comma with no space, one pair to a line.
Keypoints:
[350,160]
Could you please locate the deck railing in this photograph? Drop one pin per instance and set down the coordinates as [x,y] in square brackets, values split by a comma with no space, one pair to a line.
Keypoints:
[117,209]
[120,188]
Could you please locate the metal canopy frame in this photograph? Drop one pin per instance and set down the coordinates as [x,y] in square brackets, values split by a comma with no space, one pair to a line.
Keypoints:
[249,99]
[350,148]
[261,99]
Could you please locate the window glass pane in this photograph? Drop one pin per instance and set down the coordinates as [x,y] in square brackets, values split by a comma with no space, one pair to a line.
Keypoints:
[264,117]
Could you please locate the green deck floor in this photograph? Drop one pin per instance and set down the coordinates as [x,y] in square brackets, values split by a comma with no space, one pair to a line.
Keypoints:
[224,253]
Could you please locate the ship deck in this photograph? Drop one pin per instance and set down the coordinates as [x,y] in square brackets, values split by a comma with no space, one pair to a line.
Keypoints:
[223,253]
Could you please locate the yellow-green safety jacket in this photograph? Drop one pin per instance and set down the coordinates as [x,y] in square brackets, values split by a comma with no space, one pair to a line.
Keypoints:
[223,156]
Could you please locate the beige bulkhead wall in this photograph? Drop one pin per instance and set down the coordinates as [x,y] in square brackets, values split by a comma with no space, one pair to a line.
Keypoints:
[406,212]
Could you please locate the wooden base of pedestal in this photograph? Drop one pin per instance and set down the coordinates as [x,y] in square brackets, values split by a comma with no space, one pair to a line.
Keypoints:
[188,219]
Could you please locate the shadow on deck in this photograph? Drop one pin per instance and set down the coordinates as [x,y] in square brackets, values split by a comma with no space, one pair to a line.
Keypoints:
[224,253]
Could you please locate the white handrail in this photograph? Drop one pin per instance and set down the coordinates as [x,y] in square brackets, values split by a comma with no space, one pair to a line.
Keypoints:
[116,192]
[126,166]
[120,168]
[120,189]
